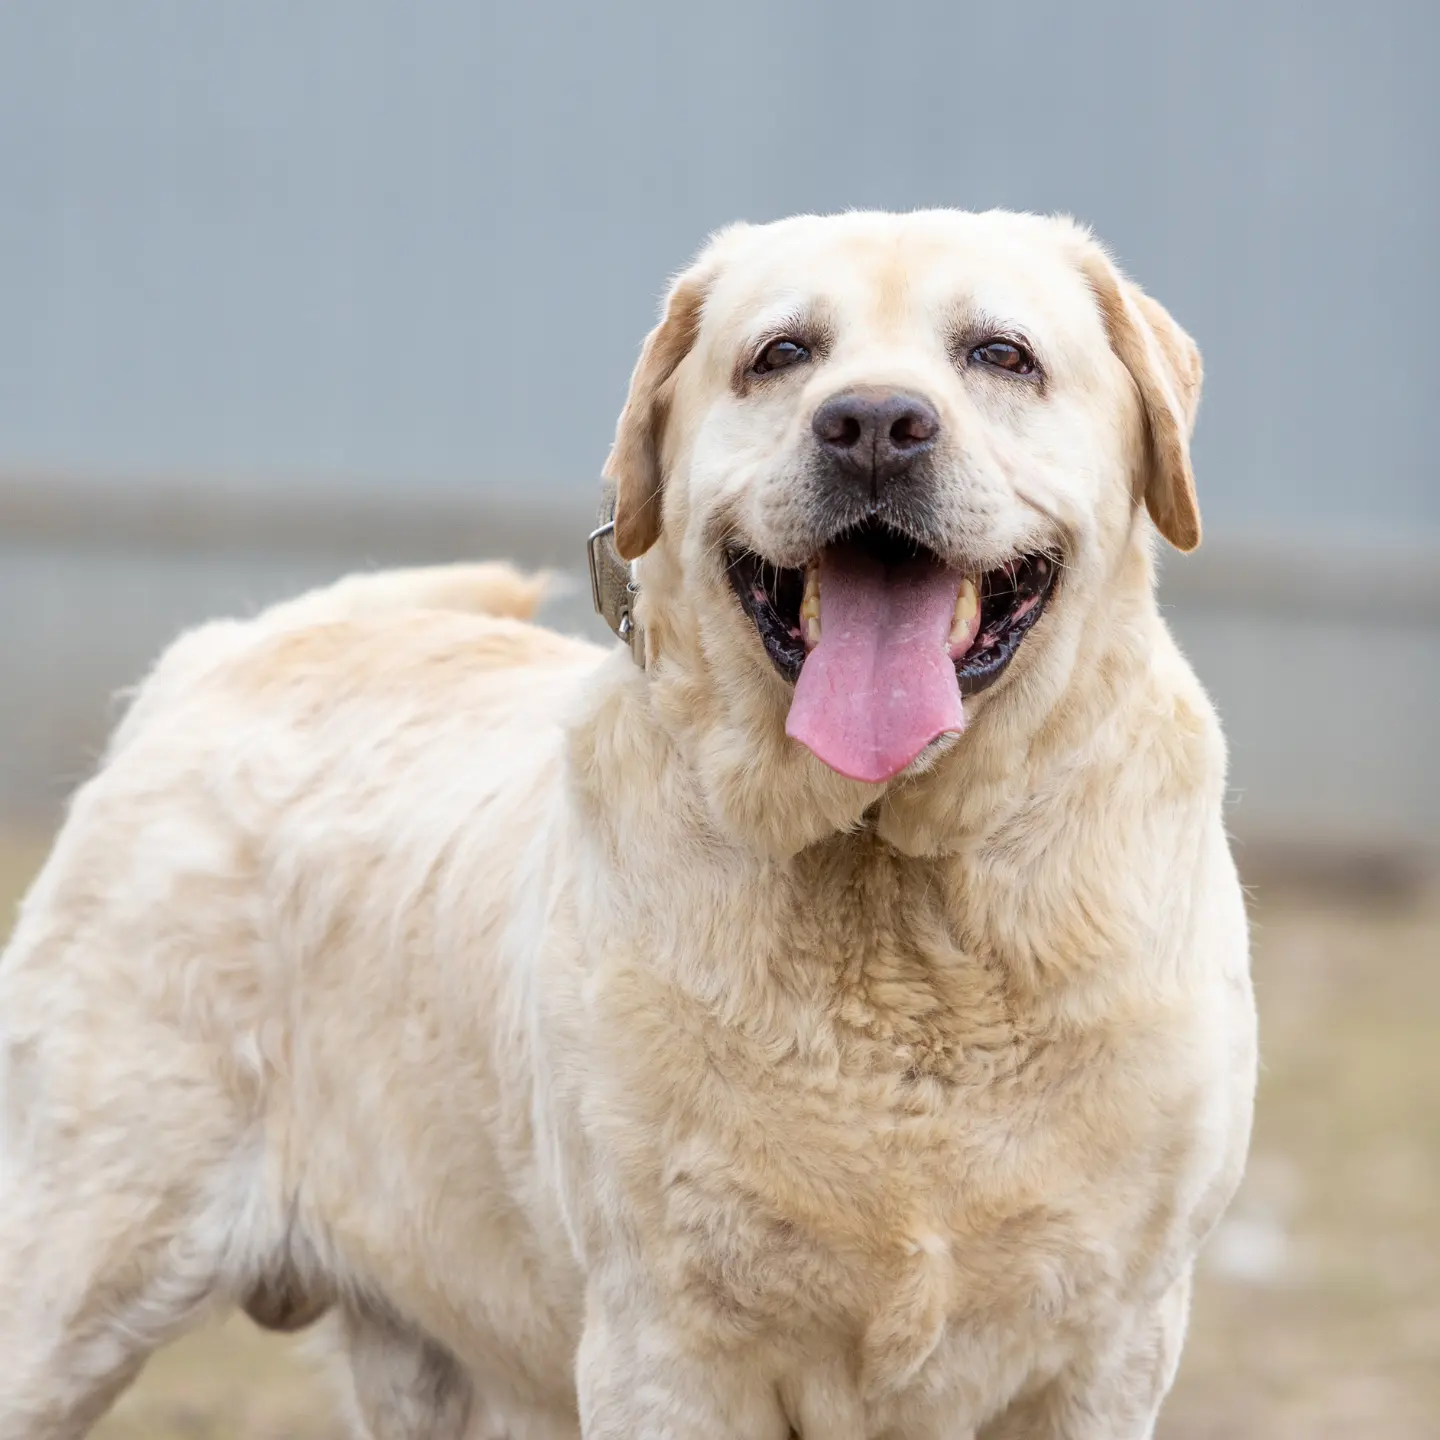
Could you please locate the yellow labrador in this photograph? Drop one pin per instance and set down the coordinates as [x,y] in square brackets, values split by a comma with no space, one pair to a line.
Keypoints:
[837,1023]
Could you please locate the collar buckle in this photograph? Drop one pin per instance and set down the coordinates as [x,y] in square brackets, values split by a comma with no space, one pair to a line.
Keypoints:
[612,582]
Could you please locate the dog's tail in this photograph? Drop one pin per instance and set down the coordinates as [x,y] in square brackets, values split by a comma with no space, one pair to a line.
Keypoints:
[481,588]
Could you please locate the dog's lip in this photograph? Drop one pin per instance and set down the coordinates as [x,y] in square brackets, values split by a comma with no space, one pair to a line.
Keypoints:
[1013,598]
[764,590]
[1015,591]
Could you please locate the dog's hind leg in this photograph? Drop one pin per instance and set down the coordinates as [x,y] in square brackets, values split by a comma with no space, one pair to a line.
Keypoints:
[403,1386]
[121,1197]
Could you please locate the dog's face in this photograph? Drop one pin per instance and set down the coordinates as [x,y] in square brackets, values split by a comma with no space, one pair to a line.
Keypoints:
[881,456]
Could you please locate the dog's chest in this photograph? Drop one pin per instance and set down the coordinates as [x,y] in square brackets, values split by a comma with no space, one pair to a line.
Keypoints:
[886,1143]
[848,1193]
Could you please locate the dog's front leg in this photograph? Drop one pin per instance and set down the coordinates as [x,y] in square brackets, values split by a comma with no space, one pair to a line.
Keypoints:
[1115,1391]
[640,1377]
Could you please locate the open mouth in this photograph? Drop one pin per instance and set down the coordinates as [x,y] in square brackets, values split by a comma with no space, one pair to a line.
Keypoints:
[882,639]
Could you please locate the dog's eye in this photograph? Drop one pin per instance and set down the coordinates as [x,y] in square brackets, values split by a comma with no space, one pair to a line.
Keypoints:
[1004,355]
[779,355]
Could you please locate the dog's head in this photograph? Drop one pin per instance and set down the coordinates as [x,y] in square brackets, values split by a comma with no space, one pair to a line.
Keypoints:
[880,466]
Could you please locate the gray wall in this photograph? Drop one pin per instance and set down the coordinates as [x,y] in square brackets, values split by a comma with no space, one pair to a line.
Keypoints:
[374,239]
[396,257]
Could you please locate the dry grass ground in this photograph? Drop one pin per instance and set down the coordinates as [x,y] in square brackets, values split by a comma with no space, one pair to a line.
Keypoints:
[1318,1315]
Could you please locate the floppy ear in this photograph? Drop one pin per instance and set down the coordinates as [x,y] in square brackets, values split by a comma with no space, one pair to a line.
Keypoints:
[1165,365]
[635,458]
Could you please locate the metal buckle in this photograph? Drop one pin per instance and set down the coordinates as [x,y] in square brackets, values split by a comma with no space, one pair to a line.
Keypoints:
[622,623]
[598,534]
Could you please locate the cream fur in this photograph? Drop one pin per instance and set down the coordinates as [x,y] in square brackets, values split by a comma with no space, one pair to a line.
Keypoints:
[608,1066]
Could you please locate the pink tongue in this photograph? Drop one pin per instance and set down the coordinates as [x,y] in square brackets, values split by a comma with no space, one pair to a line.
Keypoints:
[880,685]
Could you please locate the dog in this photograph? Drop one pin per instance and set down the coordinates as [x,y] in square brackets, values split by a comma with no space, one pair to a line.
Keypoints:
[826,1014]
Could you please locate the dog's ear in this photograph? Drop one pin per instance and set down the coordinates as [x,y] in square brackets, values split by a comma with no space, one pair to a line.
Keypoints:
[1165,365]
[636,460]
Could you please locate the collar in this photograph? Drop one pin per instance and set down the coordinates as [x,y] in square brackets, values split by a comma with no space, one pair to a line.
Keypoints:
[612,581]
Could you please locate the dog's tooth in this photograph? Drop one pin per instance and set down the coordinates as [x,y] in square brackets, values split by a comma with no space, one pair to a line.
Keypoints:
[967,607]
[810,607]
[967,602]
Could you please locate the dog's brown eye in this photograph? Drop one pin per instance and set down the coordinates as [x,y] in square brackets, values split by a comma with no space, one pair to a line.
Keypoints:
[778,355]
[1005,355]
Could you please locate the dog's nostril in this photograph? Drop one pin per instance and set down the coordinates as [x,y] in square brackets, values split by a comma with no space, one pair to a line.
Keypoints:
[838,426]
[913,428]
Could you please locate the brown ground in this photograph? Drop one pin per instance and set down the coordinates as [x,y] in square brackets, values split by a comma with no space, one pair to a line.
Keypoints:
[1318,1314]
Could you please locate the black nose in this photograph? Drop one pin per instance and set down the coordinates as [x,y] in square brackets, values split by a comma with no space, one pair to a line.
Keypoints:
[875,432]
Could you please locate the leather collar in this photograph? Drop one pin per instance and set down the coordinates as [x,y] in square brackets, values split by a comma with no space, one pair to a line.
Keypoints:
[612,580]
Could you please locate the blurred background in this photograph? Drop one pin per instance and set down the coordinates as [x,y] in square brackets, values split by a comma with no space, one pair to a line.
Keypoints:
[293,286]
